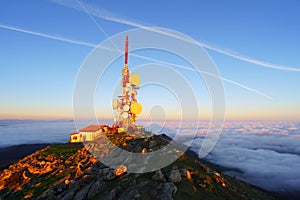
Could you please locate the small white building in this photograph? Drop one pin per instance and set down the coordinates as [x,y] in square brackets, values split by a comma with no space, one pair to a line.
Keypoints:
[89,133]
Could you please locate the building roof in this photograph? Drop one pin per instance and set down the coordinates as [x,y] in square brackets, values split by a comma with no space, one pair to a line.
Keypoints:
[73,133]
[91,128]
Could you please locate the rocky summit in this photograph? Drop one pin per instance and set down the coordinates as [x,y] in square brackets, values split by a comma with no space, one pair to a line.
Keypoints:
[70,171]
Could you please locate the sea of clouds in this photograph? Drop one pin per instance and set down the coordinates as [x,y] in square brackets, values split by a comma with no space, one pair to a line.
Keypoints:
[15,132]
[265,154]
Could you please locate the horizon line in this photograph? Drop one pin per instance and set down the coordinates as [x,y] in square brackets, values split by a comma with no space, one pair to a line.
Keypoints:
[143,119]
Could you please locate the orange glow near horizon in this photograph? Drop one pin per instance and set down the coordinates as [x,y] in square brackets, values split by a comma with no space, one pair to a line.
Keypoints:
[230,118]
[231,114]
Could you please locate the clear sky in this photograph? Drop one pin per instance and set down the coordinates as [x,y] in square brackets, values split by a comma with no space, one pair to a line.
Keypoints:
[43,44]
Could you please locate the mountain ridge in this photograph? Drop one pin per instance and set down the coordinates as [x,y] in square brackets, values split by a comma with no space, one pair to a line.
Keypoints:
[69,171]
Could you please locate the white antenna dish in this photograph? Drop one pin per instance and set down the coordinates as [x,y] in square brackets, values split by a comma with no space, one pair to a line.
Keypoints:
[124,115]
[115,103]
[126,107]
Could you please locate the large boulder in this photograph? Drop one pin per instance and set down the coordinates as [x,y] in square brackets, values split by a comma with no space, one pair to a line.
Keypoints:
[159,176]
[60,186]
[167,191]
[108,176]
[174,176]
[96,188]
[69,196]
[82,194]
[152,144]
[130,195]
[49,194]
[112,195]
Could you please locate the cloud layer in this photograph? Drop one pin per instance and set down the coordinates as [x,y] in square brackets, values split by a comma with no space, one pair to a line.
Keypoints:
[265,154]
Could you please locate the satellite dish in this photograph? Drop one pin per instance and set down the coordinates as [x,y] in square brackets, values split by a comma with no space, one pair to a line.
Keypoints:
[134,79]
[124,115]
[136,108]
[115,103]
[126,107]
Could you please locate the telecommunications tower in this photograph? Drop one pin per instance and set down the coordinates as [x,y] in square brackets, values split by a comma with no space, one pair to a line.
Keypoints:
[127,105]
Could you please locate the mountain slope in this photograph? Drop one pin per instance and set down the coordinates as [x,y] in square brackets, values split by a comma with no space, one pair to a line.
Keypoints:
[69,171]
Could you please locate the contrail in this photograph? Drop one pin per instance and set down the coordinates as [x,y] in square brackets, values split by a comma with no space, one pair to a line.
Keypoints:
[204,72]
[47,36]
[109,16]
[98,25]
[171,64]
[139,56]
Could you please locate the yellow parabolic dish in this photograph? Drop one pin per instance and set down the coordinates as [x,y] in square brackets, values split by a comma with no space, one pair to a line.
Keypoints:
[136,108]
[134,79]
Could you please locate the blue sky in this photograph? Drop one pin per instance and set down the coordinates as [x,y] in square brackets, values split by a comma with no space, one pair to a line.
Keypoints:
[37,73]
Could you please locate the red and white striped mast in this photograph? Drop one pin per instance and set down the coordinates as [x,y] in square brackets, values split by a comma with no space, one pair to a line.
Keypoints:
[127,106]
